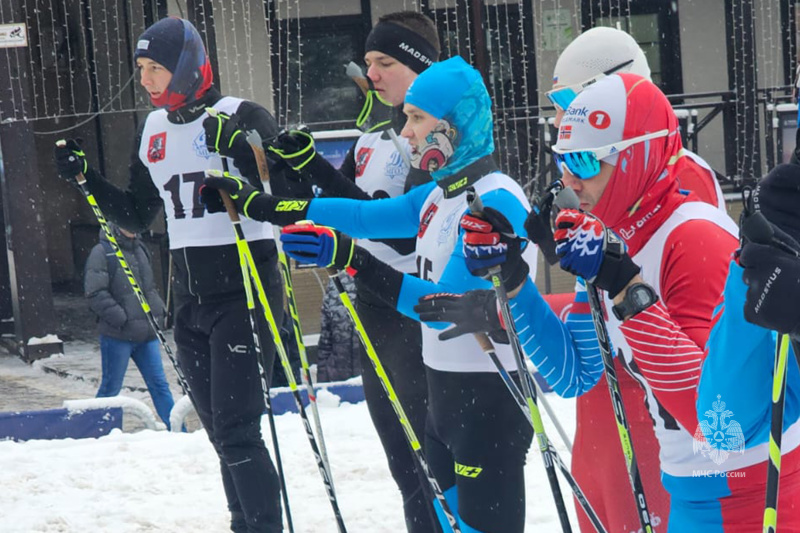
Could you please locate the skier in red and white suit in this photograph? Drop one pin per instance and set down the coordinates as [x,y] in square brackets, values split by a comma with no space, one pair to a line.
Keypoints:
[590,57]
[681,244]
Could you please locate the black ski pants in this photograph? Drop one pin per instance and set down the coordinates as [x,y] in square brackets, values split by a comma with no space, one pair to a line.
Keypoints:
[398,342]
[476,440]
[216,354]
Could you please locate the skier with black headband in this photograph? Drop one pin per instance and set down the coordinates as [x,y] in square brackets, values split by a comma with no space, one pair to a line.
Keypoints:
[399,47]
[212,331]
[476,438]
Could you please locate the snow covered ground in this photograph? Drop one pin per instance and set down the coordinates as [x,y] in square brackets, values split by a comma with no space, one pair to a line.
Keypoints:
[169,482]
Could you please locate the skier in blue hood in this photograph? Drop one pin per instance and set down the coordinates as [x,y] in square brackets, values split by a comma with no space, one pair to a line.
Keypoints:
[476,438]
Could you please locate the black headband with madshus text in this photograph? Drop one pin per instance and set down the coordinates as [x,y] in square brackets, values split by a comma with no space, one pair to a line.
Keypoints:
[404,45]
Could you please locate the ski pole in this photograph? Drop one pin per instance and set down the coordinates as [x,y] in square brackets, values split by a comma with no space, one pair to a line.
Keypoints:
[554,419]
[757,229]
[488,348]
[254,327]
[411,437]
[528,389]
[244,248]
[541,207]
[254,140]
[776,433]
[566,199]
[123,263]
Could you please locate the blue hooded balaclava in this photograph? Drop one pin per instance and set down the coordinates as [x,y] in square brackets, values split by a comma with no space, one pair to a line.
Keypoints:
[453,92]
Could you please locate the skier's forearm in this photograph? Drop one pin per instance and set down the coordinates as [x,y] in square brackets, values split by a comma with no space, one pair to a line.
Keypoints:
[668,359]
[378,277]
[134,209]
[332,182]
[566,355]
[387,218]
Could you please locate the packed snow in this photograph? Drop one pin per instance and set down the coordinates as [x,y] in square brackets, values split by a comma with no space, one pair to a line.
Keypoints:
[169,482]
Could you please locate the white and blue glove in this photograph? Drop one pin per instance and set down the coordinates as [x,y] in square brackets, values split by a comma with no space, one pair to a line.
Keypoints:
[590,250]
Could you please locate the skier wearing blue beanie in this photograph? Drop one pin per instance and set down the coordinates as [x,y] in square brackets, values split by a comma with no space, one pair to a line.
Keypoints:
[476,438]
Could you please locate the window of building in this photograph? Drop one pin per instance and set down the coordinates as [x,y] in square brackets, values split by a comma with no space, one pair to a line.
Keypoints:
[503,46]
[312,86]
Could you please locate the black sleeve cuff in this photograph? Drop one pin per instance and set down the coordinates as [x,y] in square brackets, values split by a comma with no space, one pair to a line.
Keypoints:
[401,246]
[381,279]
[278,211]
[331,181]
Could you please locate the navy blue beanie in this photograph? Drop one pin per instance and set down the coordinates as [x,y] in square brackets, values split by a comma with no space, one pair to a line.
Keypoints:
[163,42]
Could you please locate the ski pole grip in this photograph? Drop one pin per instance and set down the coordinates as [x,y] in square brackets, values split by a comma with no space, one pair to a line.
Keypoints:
[80,178]
[484,341]
[357,75]
[474,201]
[567,199]
[476,207]
[254,140]
[229,206]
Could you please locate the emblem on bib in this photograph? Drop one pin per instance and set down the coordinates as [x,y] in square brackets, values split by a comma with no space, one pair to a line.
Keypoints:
[157,147]
[426,219]
[362,160]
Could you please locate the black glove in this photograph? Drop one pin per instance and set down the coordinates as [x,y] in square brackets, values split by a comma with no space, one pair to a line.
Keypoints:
[70,160]
[773,288]
[249,201]
[225,137]
[295,148]
[471,312]
[489,241]
[239,190]
[539,226]
[795,159]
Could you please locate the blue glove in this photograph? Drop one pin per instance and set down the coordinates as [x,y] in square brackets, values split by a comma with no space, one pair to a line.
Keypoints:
[590,250]
[320,245]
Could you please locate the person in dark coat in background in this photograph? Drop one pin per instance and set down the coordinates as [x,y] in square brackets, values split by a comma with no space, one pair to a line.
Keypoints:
[338,348]
[124,330]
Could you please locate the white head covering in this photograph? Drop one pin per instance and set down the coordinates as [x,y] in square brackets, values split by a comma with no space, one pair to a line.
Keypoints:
[595,51]
[595,118]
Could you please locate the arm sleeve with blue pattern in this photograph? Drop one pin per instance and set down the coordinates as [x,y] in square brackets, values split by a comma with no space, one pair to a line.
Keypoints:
[566,354]
[738,367]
